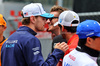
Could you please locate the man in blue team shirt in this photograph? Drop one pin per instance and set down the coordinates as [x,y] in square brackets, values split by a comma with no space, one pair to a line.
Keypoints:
[22,48]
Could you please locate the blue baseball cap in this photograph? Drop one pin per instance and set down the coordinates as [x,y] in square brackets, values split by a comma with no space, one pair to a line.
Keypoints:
[88,28]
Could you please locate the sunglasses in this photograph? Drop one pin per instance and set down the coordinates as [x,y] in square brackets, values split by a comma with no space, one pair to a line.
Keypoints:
[51,18]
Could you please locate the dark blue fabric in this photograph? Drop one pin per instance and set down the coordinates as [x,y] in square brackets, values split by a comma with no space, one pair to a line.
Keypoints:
[23,49]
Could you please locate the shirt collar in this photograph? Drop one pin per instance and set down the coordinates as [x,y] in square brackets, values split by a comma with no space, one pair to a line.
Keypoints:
[88,50]
[3,39]
[25,28]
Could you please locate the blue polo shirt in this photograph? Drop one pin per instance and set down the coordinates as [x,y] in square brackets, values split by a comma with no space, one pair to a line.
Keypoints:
[23,49]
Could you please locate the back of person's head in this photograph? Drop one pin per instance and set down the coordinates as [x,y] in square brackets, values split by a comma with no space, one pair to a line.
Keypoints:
[70,20]
[58,9]
[87,28]
[82,42]
[33,9]
[25,20]
[2,20]
[71,29]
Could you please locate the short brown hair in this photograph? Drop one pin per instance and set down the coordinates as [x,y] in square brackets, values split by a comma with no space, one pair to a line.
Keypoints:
[58,8]
[25,20]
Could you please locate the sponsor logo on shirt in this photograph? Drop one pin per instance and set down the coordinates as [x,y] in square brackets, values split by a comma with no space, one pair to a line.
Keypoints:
[35,53]
[72,57]
[11,41]
[36,50]
[66,64]
[10,45]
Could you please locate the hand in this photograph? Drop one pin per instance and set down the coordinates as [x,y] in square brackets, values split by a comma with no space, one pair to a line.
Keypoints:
[62,46]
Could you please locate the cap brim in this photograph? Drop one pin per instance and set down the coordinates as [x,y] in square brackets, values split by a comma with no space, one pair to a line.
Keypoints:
[56,24]
[47,15]
[98,35]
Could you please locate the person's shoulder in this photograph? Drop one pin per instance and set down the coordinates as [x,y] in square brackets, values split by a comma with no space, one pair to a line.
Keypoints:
[80,58]
[23,36]
[30,37]
[59,38]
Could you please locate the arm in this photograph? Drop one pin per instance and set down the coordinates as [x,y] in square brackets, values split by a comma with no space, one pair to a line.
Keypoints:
[33,55]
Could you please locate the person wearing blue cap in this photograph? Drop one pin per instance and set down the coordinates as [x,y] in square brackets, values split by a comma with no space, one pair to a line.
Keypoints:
[88,47]
[22,48]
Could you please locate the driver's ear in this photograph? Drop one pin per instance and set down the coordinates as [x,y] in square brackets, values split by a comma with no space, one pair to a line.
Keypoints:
[32,19]
[89,41]
[62,27]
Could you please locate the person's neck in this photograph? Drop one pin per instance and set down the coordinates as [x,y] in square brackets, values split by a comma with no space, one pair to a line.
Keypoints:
[91,52]
[1,38]
[69,35]
[30,26]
